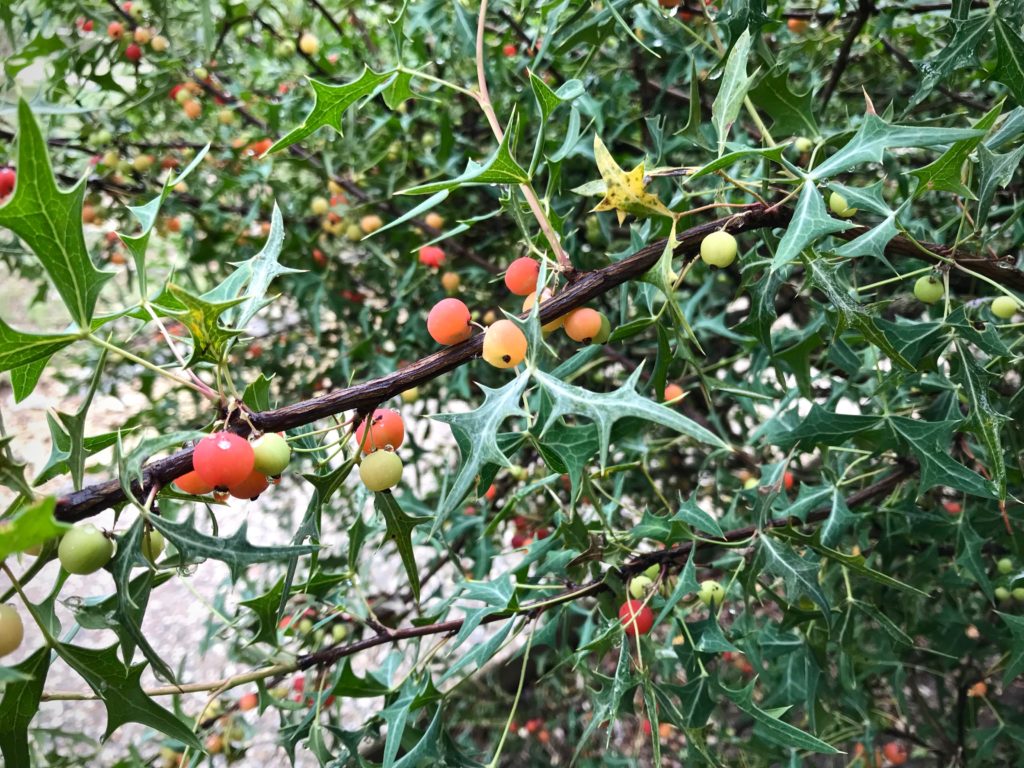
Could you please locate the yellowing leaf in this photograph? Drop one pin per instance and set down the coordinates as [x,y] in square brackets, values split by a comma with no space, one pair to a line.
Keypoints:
[624,191]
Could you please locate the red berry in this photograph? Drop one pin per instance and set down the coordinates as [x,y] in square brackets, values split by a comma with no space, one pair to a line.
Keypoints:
[509,49]
[448,322]
[251,487]
[223,459]
[174,91]
[386,429]
[636,618]
[521,276]
[7,179]
[491,493]
[193,483]
[520,540]
[542,533]
[431,256]
[115,29]
[788,480]
[952,507]
[248,701]
[133,52]
[895,753]
[646,726]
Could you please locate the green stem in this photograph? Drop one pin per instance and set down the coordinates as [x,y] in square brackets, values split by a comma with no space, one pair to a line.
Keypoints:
[144,363]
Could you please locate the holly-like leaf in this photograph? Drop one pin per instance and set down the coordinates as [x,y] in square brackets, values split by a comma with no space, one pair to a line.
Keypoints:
[12,471]
[118,687]
[247,285]
[499,168]
[1010,60]
[799,575]
[771,728]
[400,527]
[624,192]
[605,408]
[18,349]
[19,705]
[994,172]
[235,550]
[49,221]
[792,113]
[961,52]
[946,172]
[810,224]
[693,515]
[974,381]
[1015,663]
[476,433]
[732,90]
[30,527]
[210,339]
[875,136]
[930,443]
[330,102]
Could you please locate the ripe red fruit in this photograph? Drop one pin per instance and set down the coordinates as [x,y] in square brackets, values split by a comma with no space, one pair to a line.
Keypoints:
[251,487]
[788,480]
[895,753]
[115,29]
[491,493]
[431,256]
[7,179]
[636,618]
[509,49]
[952,507]
[386,429]
[87,25]
[193,483]
[133,53]
[521,276]
[248,701]
[448,322]
[520,540]
[223,459]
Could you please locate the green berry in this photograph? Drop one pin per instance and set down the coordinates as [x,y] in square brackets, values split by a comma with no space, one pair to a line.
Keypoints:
[718,249]
[839,206]
[638,586]
[1002,594]
[1004,566]
[152,545]
[271,453]
[84,549]
[1004,307]
[12,631]
[653,572]
[605,331]
[380,470]
[1018,594]
[802,144]
[928,289]
[711,593]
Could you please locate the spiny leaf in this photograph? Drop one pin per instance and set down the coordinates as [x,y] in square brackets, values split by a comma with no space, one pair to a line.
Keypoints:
[732,90]
[400,527]
[810,224]
[30,527]
[19,706]
[624,192]
[19,349]
[774,729]
[50,223]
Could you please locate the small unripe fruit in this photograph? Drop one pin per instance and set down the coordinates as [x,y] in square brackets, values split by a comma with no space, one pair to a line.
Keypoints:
[386,431]
[1002,594]
[251,487]
[143,163]
[370,223]
[115,29]
[750,483]
[802,144]
[271,454]
[450,281]
[652,572]
[531,299]
[152,545]
[636,618]
[192,483]
[449,322]
[504,344]
[141,35]
[639,585]
[582,325]
[354,233]
[159,44]
[434,220]
[223,459]
[1003,307]
[12,631]
[1018,594]
[225,117]
[110,158]
[214,743]
[134,10]
[797,26]
[928,289]
[84,549]
[603,332]
[672,392]
[411,395]
[1004,566]
[718,249]
[181,94]
[431,256]
[380,470]
[193,109]
[309,44]
[521,276]
[711,593]
[319,206]
[839,206]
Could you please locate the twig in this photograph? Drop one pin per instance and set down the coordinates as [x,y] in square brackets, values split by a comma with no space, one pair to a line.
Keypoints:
[864,10]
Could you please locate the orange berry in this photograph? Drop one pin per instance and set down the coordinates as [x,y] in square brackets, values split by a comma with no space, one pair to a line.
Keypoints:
[504,345]
[192,483]
[450,282]
[521,276]
[895,753]
[248,701]
[434,220]
[978,690]
[251,487]
[370,223]
[431,256]
[583,324]
[386,430]
[448,322]
[115,29]
[672,392]
[193,109]
[797,26]
[223,459]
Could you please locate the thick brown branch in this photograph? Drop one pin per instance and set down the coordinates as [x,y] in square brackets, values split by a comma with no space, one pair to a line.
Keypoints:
[588,285]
